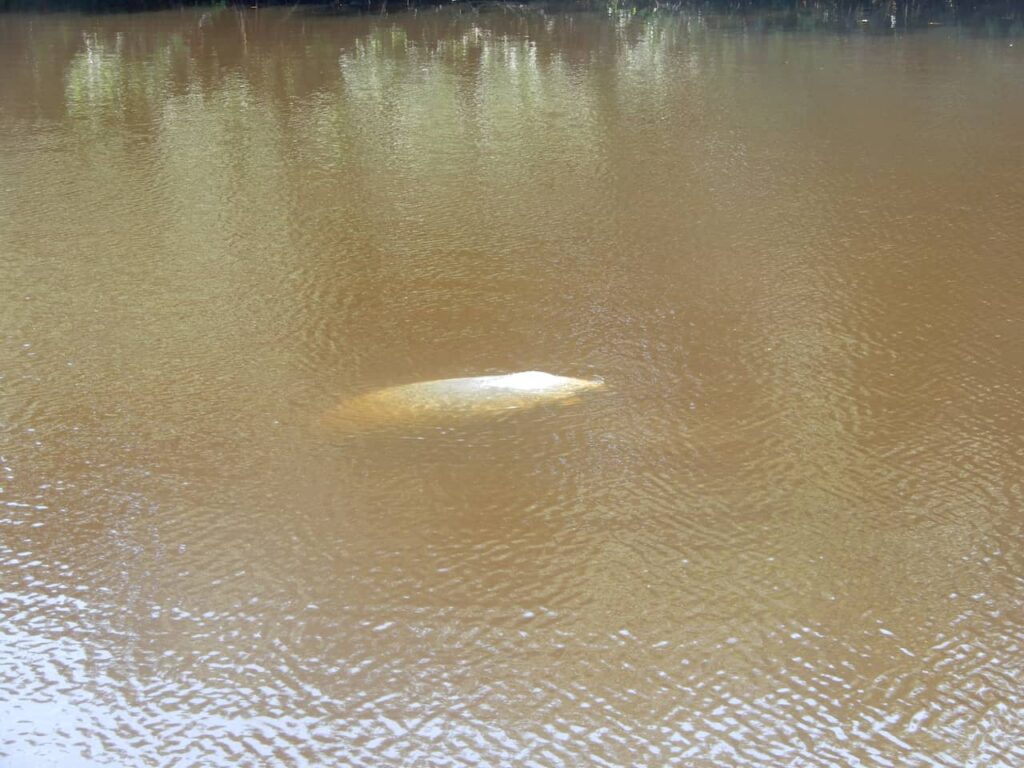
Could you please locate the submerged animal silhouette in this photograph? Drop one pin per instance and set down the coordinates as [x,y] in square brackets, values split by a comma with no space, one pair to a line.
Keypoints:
[445,399]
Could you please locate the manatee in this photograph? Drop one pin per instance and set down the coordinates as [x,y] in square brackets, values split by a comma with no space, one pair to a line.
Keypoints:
[446,400]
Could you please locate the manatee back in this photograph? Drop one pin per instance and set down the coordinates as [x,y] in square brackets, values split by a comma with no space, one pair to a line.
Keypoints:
[443,401]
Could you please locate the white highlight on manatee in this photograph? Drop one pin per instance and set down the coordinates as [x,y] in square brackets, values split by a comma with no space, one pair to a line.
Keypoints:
[526,381]
[446,400]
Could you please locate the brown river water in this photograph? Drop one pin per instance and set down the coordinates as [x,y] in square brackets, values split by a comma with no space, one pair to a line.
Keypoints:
[788,531]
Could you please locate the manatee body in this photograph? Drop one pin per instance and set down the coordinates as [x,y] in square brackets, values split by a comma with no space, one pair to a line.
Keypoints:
[444,400]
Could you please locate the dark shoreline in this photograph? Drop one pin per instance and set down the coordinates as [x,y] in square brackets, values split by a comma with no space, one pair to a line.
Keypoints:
[1003,16]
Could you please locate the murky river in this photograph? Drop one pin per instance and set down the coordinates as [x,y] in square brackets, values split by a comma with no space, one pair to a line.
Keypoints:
[788,530]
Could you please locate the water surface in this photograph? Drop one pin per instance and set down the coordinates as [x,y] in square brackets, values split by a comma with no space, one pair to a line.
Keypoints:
[788,532]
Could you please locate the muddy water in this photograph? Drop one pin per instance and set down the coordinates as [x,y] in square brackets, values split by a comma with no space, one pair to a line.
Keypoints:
[788,531]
